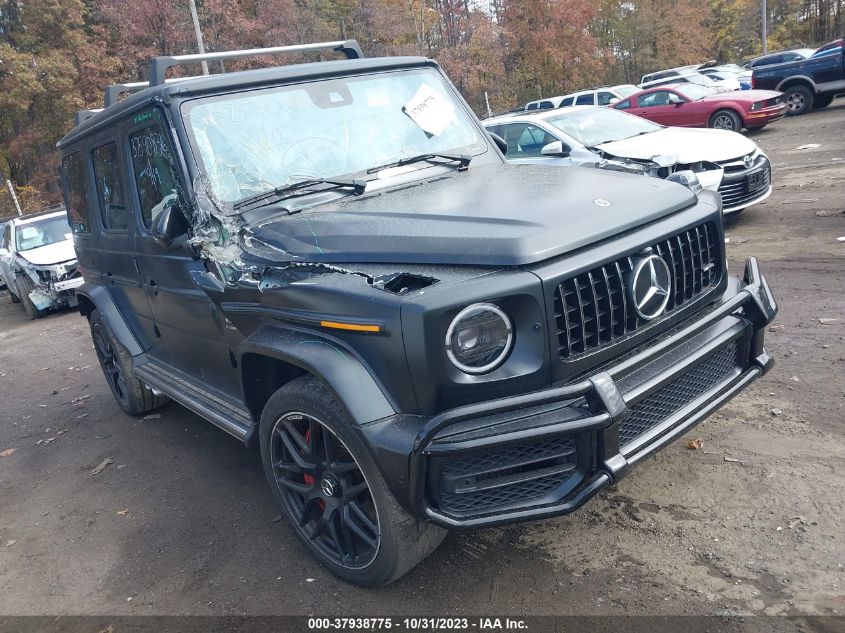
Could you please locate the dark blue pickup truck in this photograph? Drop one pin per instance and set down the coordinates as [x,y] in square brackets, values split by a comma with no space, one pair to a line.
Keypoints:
[810,83]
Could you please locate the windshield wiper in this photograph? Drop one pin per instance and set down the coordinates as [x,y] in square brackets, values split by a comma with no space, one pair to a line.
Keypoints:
[300,188]
[435,159]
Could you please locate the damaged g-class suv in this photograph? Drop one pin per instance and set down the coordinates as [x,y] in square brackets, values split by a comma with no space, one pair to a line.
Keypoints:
[332,261]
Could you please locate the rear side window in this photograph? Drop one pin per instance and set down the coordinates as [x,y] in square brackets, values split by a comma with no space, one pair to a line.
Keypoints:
[532,106]
[546,105]
[76,192]
[566,102]
[154,170]
[585,99]
[604,98]
[110,197]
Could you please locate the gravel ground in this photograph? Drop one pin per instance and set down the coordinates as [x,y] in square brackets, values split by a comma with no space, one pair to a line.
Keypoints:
[182,523]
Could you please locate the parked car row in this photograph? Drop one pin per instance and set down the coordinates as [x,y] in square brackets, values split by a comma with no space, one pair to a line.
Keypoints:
[725,96]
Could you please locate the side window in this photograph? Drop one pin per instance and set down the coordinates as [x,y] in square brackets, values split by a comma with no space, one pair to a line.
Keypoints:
[566,102]
[525,140]
[110,197]
[76,192]
[585,99]
[623,105]
[546,105]
[654,99]
[532,106]
[604,98]
[7,237]
[154,170]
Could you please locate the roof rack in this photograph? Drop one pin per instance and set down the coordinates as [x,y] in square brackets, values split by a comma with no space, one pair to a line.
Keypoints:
[159,66]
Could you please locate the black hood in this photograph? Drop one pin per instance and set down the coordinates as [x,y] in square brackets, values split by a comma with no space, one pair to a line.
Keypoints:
[489,215]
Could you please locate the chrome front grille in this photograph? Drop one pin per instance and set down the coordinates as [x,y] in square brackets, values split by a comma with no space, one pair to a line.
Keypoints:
[594,308]
[735,191]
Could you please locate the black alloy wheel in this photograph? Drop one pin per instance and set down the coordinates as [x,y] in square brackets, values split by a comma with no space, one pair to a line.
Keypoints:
[109,362]
[324,491]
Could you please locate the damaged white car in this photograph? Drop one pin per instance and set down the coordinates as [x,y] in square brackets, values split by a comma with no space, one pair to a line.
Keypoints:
[38,262]
[589,136]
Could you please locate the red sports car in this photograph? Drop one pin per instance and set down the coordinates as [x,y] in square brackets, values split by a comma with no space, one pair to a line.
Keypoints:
[691,105]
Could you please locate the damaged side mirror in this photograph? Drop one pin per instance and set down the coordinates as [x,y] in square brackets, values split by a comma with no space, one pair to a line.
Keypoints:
[169,224]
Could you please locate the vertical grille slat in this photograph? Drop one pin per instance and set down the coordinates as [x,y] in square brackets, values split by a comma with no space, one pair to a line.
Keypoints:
[683,259]
[620,278]
[592,308]
[583,340]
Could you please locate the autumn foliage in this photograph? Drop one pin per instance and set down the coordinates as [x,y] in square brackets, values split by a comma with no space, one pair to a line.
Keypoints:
[57,55]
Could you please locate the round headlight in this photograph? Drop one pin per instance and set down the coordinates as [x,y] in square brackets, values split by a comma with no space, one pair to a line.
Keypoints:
[479,338]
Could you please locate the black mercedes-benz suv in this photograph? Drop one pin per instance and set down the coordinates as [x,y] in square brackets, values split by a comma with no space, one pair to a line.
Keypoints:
[333,261]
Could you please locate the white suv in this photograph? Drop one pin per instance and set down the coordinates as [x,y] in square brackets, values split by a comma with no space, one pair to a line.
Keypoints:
[602,96]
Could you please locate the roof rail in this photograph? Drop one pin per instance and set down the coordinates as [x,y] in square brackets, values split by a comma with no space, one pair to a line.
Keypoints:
[159,65]
[114,91]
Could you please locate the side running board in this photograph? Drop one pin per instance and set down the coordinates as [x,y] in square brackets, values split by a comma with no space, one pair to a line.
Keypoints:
[228,416]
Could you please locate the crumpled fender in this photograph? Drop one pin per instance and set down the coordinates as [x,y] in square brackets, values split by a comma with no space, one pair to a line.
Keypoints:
[328,359]
[99,298]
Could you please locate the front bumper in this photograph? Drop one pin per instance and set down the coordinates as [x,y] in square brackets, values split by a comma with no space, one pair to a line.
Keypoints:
[545,454]
[764,116]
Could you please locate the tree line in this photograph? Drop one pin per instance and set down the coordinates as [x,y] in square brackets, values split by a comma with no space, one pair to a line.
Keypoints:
[56,56]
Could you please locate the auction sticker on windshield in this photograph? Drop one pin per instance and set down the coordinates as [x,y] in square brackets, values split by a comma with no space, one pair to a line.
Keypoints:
[429,111]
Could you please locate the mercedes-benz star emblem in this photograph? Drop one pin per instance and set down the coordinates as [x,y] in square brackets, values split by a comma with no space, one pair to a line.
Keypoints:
[651,282]
[601,202]
[748,161]
[328,487]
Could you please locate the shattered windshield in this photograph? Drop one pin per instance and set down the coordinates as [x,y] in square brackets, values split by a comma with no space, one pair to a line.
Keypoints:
[42,233]
[249,143]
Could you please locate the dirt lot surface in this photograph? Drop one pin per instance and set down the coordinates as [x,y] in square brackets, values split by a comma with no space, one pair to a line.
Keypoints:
[181,522]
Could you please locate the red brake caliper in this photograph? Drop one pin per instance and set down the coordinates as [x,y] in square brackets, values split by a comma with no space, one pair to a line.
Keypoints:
[309,479]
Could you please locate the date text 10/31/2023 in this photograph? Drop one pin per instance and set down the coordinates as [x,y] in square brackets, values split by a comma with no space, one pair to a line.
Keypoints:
[418,624]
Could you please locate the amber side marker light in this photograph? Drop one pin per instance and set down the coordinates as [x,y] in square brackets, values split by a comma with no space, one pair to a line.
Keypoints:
[355,327]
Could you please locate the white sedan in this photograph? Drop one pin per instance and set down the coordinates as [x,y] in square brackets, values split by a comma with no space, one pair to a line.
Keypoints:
[590,136]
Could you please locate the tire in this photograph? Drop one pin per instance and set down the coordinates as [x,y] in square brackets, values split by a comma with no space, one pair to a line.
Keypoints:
[12,295]
[331,492]
[799,100]
[822,101]
[25,286]
[133,396]
[725,120]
